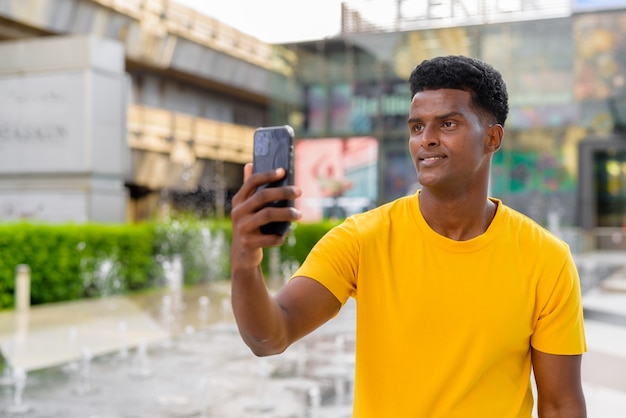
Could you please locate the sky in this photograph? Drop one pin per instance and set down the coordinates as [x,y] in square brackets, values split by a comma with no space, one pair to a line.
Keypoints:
[275,21]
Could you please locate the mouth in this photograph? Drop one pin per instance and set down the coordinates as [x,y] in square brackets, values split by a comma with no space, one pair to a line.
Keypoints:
[432,158]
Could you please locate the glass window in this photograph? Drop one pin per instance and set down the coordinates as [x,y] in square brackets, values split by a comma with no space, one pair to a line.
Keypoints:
[610,176]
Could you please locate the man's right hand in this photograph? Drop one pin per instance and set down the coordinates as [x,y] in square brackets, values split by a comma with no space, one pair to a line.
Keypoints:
[249,212]
[269,324]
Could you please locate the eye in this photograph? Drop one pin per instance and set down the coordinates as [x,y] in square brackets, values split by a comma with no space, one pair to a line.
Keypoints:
[416,128]
[449,124]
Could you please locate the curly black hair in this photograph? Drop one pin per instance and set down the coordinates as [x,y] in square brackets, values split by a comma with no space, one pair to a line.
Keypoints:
[480,79]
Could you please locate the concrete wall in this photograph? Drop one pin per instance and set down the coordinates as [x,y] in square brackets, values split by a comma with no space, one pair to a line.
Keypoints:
[63,148]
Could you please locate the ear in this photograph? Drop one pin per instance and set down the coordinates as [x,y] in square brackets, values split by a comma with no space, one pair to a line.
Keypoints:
[494,134]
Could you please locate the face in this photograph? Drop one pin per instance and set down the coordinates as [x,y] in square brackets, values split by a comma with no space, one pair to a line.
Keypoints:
[450,144]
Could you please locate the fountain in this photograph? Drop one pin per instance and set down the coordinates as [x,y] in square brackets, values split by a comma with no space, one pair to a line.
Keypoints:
[19,384]
[84,377]
[6,377]
[315,401]
[141,362]
[73,365]
[263,404]
[101,277]
[203,310]
[196,365]
[174,274]
[206,371]
[122,328]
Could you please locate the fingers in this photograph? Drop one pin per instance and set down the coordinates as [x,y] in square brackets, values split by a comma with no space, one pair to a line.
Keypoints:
[251,214]
[248,241]
[248,237]
[253,181]
[274,214]
[247,171]
[253,208]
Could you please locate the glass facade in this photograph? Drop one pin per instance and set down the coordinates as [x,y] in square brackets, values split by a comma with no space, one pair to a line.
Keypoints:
[562,75]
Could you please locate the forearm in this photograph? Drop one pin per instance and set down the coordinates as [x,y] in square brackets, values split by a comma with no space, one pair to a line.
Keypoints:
[259,317]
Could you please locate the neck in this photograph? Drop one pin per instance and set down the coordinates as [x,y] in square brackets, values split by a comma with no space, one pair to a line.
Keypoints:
[460,218]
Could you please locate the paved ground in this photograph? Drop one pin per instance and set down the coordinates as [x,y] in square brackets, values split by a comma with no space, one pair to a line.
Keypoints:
[114,358]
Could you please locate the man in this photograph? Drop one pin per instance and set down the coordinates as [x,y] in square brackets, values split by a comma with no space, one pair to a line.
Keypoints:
[458,296]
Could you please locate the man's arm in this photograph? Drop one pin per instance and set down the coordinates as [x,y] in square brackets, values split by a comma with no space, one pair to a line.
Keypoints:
[559,387]
[269,324]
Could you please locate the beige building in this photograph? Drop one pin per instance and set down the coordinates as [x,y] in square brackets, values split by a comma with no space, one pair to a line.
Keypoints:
[116,110]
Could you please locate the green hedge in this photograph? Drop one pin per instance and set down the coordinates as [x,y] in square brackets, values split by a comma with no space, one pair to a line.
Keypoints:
[73,261]
[302,238]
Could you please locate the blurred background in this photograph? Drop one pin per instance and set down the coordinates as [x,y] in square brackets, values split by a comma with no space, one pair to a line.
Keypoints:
[115,110]
[124,129]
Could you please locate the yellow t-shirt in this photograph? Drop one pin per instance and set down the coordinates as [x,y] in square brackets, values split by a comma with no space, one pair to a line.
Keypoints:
[444,327]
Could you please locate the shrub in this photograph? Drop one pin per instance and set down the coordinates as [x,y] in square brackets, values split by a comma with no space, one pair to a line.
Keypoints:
[72,261]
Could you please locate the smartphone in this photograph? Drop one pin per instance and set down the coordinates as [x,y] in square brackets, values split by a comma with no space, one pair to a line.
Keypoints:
[273,148]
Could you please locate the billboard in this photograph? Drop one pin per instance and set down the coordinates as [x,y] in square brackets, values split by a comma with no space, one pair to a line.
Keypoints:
[338,176]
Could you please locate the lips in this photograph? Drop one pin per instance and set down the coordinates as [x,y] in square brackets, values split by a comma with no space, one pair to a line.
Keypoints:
[431,157]
[431,160]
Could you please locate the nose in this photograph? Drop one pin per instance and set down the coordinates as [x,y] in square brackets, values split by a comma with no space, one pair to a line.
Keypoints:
[429,137]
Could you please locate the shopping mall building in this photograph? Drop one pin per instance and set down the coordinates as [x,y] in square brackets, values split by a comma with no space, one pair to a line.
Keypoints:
[563,159]
[192,90]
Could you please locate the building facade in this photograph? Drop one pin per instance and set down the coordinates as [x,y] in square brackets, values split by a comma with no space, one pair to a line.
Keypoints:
[565,67]
[190,91]
[195,89]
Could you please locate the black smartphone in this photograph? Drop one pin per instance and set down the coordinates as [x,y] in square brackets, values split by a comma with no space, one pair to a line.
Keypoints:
[273,148]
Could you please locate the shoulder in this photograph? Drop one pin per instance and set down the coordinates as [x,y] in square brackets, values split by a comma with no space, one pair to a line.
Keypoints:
[398,207]
[397,213]
[530,235]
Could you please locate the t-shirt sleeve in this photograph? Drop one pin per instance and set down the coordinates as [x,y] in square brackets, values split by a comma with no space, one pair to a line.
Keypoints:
[334,261]
[560,327]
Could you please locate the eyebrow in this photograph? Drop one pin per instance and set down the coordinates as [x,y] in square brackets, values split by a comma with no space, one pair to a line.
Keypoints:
[440,117]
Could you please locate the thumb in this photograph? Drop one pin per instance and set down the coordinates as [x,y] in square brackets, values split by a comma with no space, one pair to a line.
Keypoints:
[247,171]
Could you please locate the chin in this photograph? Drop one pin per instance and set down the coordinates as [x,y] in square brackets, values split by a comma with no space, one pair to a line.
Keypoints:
[427,181]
